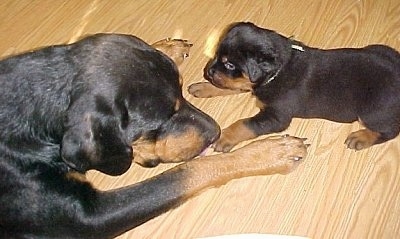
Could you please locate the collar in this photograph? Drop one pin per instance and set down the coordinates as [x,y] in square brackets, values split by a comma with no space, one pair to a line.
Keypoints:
[294,47]
[297,47]
[271,78]
[295,44]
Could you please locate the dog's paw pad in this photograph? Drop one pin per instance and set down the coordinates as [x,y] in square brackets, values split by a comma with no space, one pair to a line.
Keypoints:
[296,158]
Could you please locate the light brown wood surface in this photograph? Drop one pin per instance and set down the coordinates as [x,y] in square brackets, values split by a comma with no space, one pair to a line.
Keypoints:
[335,193]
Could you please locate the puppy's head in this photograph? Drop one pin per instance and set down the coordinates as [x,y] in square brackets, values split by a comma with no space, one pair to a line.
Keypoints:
[131,108]
[246,56]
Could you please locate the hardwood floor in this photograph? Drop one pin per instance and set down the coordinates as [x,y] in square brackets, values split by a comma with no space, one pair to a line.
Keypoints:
[335,193]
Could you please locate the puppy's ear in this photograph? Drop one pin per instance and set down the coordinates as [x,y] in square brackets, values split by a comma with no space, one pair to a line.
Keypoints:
[254,71]
[259,71]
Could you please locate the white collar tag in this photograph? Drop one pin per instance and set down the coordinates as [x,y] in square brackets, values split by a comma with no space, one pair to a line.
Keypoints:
[297,47]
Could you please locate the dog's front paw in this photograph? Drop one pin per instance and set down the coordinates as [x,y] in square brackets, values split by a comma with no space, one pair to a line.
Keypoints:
[201,90]
[225,143]
[288,152]
[275,154]
[177,49]
[361,139]
[234,134]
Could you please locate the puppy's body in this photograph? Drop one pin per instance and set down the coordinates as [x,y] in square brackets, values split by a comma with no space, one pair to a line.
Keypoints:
[293,80]
[342,85]
[71,108]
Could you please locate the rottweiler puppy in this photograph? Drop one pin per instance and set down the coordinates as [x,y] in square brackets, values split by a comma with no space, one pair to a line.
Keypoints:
[67,109]
[290,79]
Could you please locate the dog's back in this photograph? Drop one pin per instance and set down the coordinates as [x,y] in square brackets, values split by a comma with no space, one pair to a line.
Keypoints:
[385,51]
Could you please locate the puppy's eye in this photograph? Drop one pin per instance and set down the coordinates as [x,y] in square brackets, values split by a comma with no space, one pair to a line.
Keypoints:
[229,66]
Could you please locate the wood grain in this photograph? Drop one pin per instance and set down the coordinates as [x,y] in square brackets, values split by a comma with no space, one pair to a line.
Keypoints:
[335,193]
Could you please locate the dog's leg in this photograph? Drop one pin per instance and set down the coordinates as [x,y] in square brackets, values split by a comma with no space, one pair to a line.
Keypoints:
[123,209]
[365,138]
[93,214]
[265,122]
[234,134]
[362,139]
[208,90]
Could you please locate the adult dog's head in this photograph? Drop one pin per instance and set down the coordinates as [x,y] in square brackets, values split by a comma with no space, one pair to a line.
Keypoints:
[246,57]
[127,101]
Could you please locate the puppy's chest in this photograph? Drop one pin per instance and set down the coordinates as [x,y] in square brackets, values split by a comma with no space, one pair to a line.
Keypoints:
[274,92]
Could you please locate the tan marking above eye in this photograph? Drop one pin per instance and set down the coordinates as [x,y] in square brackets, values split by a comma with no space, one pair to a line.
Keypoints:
[239,83]
[224,59]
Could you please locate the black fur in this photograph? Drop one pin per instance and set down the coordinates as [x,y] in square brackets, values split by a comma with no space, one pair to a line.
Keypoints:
[72,108]
[294,80]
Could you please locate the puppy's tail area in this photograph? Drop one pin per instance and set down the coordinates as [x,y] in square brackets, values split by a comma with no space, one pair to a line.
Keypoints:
[386,52]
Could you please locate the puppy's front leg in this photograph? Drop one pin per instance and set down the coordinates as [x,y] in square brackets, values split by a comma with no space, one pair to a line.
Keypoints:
[265,122]
[208,90]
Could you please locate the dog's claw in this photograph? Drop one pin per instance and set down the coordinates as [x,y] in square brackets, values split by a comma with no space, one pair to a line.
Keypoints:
[297,158]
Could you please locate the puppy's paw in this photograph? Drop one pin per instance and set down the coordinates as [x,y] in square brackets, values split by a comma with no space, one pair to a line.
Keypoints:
[223,144]
[201,90]
[177,49]
[275,154]
[234,134]
[361,139]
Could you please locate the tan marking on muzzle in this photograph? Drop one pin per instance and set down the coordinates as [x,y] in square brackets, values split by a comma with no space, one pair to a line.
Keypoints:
[143,151]
[221,80]
[173,148]
[180,147]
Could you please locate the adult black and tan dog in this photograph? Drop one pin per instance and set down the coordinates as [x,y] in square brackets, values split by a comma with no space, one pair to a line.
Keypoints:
[290,79]
[67,109]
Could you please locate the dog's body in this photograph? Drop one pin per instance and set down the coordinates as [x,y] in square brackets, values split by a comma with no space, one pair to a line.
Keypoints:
[291,79]
[70,108]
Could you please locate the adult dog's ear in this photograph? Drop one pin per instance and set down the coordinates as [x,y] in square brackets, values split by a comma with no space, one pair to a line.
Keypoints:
[87,144]
[78,146]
